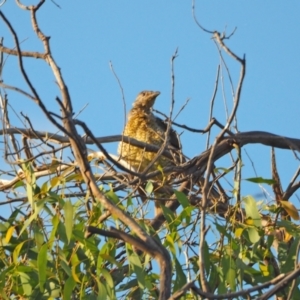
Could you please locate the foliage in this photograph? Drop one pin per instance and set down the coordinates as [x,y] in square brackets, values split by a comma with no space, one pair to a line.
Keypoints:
[80,228]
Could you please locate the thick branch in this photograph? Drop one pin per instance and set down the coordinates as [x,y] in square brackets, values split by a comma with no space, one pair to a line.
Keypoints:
[243,138]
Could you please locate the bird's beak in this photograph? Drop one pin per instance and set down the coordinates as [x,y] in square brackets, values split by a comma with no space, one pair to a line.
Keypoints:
[155,94]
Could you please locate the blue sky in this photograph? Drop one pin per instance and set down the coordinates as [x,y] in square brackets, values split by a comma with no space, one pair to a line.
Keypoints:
[139,38]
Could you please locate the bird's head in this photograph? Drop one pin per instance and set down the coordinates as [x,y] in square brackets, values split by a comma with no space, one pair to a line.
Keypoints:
[145,100]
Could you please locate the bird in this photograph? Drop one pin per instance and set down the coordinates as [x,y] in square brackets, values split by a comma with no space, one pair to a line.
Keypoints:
[144,126]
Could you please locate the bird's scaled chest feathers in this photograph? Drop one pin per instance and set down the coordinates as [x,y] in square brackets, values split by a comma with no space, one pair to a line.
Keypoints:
[144,127]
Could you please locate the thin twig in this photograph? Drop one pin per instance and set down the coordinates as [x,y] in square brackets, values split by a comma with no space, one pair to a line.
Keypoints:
[212,101]
[121,88]
[166,140]
[196,21]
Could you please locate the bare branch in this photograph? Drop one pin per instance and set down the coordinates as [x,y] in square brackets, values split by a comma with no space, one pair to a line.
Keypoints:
[23,53]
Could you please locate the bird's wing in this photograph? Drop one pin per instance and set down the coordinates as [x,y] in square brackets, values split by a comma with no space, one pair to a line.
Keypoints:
[174,138]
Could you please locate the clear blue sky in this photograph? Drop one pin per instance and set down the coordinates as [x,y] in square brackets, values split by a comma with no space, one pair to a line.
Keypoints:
[139,38]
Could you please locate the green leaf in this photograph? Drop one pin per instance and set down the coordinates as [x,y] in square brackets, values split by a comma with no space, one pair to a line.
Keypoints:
[37,208]
[68,208]
[180,279]
[149,187]
[223,230]
[3,295]
[17,252]
[74,177]
[68,288]
[289,262]
[38,236]
[102,291]
[25,280]
[55,222]
[231,278]
[252,211]
[170,243]
[290,227]
[55,181]
[228,265]
[19,183]
[253,234]
[261,180]
[207,259]
[44,187]
[182,199]
[61,232]
[168,214]
[108,278]
[138,269]
[30,181]
[112,196]
[42,266]
[64,265]
[185,214]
